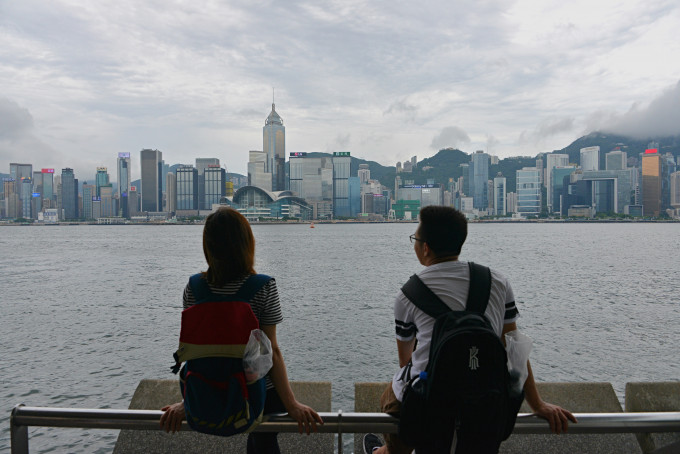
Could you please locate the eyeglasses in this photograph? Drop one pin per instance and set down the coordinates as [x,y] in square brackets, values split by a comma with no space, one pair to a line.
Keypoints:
[413,238]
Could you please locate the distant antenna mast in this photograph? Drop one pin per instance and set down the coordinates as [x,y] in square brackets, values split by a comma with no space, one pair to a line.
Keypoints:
[273,97]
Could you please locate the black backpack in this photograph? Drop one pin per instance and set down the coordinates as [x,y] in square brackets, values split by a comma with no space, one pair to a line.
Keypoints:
[466,384]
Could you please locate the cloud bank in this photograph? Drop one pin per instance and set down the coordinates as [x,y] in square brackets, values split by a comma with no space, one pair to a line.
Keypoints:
[450,137]
[659,118]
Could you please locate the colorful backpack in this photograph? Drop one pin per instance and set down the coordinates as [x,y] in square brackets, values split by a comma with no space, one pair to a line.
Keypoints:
[466,384]
[213,337]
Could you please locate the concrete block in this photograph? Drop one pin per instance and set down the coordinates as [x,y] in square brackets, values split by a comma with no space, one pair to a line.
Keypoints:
[577,398]
[367,400]
[657,396]
[155,394]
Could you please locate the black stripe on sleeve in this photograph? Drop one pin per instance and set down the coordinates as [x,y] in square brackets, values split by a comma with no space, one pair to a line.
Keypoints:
[511,311]
[405,329]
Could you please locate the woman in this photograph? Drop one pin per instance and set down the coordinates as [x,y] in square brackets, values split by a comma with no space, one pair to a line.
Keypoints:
[229,249]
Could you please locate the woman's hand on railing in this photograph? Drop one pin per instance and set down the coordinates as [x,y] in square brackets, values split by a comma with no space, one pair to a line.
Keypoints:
[305,416]
[171,419]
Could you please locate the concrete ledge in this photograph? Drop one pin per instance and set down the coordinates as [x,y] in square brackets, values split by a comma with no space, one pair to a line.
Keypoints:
[576,397]
[658,396]
[581,398]
[367,400]
[154,394]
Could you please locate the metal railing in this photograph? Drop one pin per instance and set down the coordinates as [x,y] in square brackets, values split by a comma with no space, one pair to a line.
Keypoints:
[23,417]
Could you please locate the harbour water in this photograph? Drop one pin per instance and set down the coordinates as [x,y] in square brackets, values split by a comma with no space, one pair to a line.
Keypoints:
[89,311]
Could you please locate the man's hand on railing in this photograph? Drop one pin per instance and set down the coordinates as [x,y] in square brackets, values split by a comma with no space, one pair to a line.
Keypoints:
[171,420]
[557,417]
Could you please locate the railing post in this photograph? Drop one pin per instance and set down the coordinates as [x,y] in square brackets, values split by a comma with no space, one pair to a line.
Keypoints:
[339,431]
[18,435]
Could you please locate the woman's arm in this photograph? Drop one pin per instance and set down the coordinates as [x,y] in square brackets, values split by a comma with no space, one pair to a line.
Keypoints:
[304,415]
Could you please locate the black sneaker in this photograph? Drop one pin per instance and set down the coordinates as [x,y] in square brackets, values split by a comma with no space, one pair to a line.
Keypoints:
[371,442]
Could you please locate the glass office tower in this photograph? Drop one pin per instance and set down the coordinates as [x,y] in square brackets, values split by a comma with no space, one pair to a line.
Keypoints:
[187,188]
[479,169]
[341,169]
[69,194]
[214,179]
[499,191]
[152,189]
[274,146]
[528,191]
[124,180]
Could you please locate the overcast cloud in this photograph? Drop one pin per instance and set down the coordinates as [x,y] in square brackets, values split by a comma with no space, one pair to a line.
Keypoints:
[82,81]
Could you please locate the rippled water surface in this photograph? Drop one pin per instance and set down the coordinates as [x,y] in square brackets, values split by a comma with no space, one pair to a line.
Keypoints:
[89,311]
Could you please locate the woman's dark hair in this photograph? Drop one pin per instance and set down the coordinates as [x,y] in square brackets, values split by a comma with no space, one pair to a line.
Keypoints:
[228,246]
[444,229]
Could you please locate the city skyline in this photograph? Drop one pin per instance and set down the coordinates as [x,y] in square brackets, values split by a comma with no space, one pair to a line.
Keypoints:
[84,83]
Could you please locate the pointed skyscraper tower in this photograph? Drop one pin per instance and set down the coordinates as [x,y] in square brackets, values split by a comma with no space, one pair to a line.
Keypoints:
[274,145]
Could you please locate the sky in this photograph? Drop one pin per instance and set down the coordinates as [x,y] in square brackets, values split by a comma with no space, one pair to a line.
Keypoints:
[82,81]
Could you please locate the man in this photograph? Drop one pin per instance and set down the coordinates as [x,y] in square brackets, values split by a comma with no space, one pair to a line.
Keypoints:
[437,244]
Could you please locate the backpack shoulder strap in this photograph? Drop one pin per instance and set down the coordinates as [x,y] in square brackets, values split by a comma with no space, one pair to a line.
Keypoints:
[199,287]
[424,298]
[480,288]
[251,286]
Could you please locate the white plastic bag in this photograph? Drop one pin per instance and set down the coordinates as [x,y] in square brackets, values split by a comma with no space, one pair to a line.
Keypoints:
[257,358]
[518,346]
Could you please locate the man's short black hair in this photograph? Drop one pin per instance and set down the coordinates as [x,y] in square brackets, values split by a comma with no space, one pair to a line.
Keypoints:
[444,229]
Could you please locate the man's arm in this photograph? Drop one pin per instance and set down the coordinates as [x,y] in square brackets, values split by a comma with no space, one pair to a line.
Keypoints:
[405,349]
[557,417]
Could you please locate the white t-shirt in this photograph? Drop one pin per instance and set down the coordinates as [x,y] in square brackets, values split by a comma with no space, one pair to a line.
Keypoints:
[450,281]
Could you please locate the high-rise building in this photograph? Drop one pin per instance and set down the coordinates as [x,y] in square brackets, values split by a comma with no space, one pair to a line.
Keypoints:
[201,165]
[540,167]
[152,191]
[187,188]
[675,191]
[655,183]
[124,175]
[608,191]
[465,172]
[499,194]
[106,198]
[616,160]
[12,203]
[214,179]
[170,192]
[89,195]
[553,160]
[257,170]
[341,169]
[364,173]
[528,191]
[311,178]
[48,186]
[26,196]
[274,146]
[17,172]
[590,158]
[102,179]
[479,171]
[511,202]
[69,194]
[557,176]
